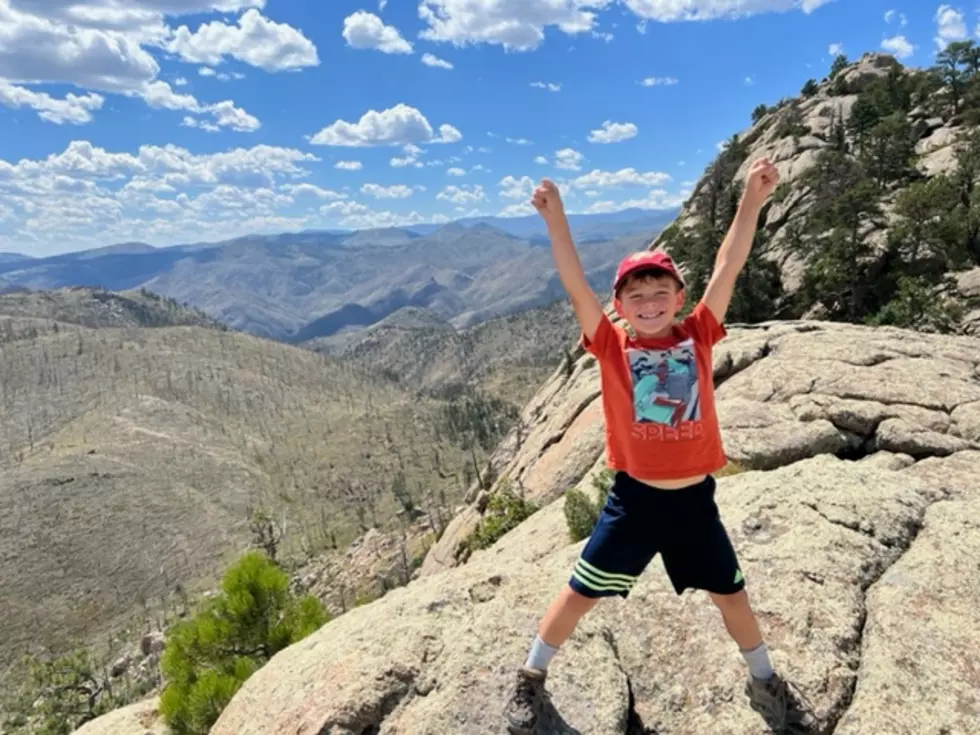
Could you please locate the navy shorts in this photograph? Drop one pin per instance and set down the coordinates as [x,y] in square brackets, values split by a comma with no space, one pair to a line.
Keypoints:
[638,522]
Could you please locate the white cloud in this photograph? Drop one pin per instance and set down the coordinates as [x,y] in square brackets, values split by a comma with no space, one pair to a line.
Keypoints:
[659,81]
[603,36]
[399,125]
[597,179]
[479,167]
[461,194]
[569,159]
[180,82]
[101,48]
[85,195]
[655,199]
[365,30]
[749,81]
[411,158]
[611,132]
[73,109]
[518,141]
[541,160]
[892,15]
[698,10]
[899,46]
[299,190]
[256,41]
[520,209]
[835,49]
[205,125]
[550,86]
[348,165]
[436,62]
[511,188]
[517,26]
[950,26]
[455,172]
[397,191]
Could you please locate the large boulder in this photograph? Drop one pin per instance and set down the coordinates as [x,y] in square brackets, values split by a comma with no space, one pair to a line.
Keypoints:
[142,718]
[862,574]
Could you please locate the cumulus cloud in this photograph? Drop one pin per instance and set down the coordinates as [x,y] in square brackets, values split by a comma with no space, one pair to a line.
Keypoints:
[255,40]
[398,191]
[950,26]
[454,171]
[104,48]
[348,165]
[550,86]
[87,195]
[597,179]
[399,125]
[435,62]
[655,199]
[660,82]
[462,194]
[569,159]
[73,109]
[612,132]
[365,30]
[513,188]
[835,49]
[666,11]
[899,46]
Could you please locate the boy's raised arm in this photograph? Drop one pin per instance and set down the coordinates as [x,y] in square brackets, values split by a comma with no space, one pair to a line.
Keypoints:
[588,310]
[734,251]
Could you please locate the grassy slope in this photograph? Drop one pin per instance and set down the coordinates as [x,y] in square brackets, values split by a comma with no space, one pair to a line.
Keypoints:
[508,357]
[128,458]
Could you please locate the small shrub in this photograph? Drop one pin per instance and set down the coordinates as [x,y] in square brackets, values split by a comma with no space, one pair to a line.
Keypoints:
[505,511]
[209,657]
[732,468]
[581,511]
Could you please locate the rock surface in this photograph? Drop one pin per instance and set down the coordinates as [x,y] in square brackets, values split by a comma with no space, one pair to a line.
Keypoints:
[861,567]
[786,391]
[141,718]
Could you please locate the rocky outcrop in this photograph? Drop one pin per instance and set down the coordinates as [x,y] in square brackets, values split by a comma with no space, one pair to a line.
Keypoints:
[142,718]
[856,523]
[786,391]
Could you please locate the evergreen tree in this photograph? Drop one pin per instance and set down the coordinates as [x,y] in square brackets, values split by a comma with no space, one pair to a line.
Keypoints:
[210,656]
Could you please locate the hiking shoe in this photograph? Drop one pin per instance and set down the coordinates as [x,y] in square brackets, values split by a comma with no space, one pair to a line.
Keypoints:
[524,707]
[781,705]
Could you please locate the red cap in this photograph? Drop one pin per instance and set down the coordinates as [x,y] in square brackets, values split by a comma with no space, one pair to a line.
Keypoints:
[644,259]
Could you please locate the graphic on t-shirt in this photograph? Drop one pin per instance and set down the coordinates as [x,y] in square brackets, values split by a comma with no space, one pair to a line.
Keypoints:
[665,385]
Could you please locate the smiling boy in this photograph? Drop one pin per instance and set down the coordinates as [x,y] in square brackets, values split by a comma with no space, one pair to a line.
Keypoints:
[663,442]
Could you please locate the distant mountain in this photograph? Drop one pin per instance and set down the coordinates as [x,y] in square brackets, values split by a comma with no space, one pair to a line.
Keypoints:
[301,286]
[13,257]
[92,307]
[584,226]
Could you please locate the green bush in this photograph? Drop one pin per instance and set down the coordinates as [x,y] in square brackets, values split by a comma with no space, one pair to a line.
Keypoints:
[581,511]
[505,511]
[209,657]
[59,694]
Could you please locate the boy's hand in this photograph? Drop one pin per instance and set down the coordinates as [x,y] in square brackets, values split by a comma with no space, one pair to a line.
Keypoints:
[547,201]
[760,182]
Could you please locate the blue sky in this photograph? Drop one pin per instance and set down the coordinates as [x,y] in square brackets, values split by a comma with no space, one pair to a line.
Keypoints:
[169,121]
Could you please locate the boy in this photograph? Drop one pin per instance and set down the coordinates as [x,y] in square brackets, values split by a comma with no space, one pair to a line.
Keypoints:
[663,442]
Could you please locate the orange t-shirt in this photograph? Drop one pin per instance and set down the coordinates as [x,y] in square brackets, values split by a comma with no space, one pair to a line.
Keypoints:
[658,398]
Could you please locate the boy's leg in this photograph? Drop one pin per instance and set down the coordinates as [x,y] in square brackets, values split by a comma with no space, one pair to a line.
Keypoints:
[617,552]
[703,558]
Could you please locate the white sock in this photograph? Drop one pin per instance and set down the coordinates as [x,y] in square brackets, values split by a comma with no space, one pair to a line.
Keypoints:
[759,664]
[540,655]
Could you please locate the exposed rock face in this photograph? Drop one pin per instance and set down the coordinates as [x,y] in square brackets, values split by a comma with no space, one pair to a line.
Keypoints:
[786,391]
[862,568]
[141,718]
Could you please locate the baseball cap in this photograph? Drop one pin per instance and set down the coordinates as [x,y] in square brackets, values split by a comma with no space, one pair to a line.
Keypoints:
[656,259]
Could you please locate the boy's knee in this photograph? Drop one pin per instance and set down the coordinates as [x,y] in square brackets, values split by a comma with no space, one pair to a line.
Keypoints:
[734,601]
[577,602]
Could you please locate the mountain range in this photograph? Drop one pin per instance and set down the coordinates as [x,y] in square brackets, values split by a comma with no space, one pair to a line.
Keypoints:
[300,286]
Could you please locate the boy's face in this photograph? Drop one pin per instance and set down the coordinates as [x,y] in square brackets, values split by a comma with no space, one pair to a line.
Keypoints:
[650,303]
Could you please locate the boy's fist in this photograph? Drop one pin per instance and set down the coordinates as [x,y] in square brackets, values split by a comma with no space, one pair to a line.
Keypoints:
[547,200]
[761,181]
